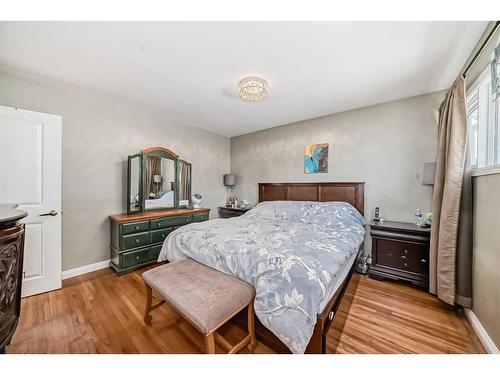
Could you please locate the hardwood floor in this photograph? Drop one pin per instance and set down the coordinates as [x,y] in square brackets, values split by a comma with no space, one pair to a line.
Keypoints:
[102,313]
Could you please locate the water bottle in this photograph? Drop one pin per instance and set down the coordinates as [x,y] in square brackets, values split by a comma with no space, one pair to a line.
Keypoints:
[418,217]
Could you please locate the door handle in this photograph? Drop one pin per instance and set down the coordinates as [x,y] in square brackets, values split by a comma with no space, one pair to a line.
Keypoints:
[50,213]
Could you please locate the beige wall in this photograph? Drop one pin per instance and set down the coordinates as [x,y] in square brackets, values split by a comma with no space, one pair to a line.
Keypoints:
[486,268]
[98,135]
[383,145]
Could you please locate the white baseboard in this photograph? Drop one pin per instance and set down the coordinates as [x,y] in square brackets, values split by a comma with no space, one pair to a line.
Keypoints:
[485,339]
[85,269]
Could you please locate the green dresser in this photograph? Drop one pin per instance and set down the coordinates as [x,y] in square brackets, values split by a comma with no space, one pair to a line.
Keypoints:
[136,239]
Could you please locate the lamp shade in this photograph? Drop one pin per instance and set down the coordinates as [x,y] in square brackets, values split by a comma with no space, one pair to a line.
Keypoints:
[428,175]
[229,179]
[157,178]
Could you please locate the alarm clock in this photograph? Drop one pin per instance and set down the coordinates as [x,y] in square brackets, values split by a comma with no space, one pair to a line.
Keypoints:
[196,199]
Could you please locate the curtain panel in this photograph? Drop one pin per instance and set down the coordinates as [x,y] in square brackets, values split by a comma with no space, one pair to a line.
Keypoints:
[450,265]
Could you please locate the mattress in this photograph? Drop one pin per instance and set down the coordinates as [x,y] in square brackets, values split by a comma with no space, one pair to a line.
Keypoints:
[337,282]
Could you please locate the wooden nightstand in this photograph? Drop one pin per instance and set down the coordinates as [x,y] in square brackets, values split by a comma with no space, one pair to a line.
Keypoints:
[400,251]
[227,212]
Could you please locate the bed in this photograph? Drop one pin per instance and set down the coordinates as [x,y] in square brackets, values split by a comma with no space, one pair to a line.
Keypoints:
[298,254]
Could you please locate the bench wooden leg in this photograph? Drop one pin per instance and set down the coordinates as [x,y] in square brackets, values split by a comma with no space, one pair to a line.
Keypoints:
[149,304]
[210,343]
[251,328]
[149,301]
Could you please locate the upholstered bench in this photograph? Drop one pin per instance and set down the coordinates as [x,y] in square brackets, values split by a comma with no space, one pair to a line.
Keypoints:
[205,297]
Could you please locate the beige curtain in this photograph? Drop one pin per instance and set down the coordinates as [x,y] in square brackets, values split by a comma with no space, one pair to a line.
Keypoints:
[451,234]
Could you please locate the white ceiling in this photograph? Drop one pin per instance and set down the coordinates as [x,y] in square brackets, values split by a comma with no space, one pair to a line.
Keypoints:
[190,70]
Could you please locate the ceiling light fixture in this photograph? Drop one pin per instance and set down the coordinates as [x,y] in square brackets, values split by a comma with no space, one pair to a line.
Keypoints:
[253,89]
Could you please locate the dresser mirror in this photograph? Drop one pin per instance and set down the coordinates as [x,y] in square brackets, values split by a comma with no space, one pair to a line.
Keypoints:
[134,183]
[157,180]
[184,171]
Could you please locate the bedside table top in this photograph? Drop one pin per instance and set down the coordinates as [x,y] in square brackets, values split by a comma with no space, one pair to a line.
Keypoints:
[399,226]
[238,209]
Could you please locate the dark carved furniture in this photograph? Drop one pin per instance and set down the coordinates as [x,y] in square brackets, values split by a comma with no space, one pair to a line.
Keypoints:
[136,239]
[339,304]
[400,251]
[228,212]
[11,269]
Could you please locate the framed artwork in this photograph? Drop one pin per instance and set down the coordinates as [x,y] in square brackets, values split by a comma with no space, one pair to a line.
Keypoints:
[316,158]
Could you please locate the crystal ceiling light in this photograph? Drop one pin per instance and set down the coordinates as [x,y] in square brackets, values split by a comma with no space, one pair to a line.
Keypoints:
[253,89]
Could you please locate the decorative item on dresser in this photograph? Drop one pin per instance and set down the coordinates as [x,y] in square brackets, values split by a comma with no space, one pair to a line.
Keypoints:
[136,239]
[400,251]
[227,212]
[11,271]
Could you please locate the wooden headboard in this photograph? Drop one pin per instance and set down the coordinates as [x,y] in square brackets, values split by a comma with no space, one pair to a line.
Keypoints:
[350,192]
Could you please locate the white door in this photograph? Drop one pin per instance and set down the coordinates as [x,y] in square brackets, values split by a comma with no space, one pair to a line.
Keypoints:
[30,176]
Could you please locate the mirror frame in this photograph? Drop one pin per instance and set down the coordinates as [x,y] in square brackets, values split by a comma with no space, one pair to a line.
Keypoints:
[163,153]
[129,187]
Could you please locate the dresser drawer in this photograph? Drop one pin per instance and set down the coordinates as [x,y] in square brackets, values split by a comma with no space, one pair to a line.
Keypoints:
[419,266]
[154,252]
[401,249]
[160,234]
[136,240]
[171,221]
[136,257]
[200,217]
[140,226]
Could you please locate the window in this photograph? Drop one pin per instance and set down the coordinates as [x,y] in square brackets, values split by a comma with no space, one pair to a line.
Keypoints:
[483,123]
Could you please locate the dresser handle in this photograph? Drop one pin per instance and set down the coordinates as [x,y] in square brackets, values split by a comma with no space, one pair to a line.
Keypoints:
[137,257]
[163,235]
[136,227]
[403,257]
[137,240]
[423,261]
[405,264]
[405,251]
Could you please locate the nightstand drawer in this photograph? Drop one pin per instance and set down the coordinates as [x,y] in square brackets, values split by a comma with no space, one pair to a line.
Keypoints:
[160,235]
[136,240]
[404,264]
[401,249]
[140,226]
[227,212]
[171,221]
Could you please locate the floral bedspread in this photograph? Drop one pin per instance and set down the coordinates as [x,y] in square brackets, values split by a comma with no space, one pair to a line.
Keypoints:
[289,251]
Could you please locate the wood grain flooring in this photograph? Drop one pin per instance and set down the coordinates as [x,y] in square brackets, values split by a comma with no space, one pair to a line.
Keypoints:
[102,313]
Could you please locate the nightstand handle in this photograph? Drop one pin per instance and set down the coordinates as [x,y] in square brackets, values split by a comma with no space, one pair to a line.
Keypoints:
[405,251]
[403,257]
[423,261]
[405,264]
